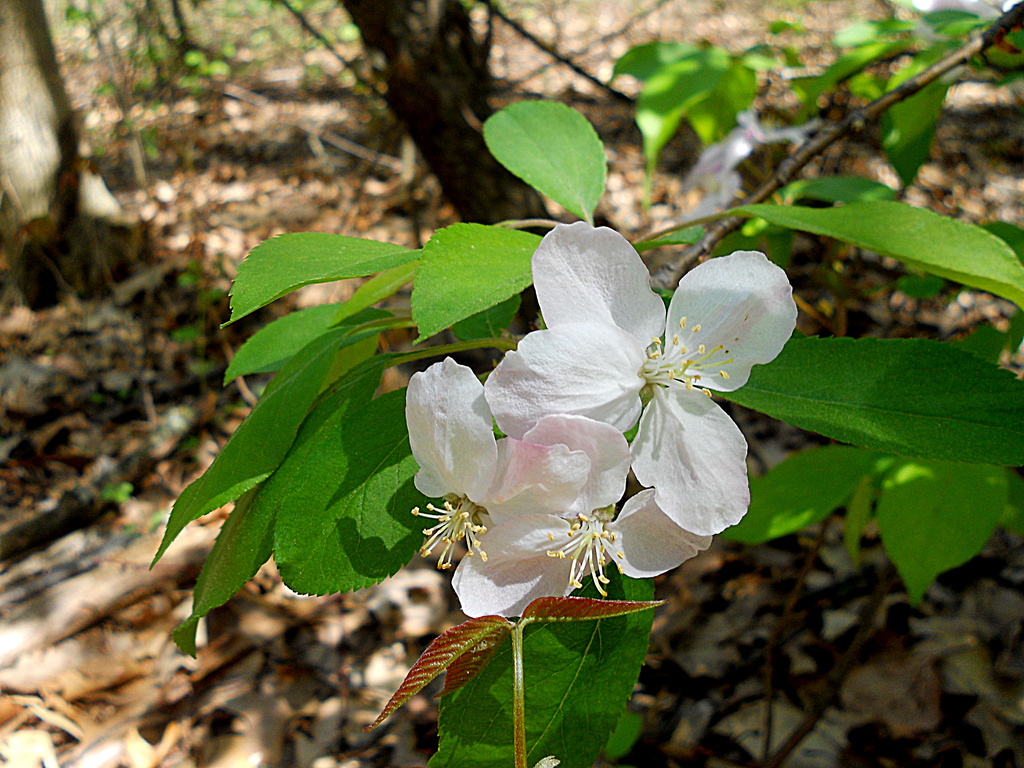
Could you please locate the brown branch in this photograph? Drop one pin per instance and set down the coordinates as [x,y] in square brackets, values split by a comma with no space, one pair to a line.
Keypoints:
[853,123]
[550,51]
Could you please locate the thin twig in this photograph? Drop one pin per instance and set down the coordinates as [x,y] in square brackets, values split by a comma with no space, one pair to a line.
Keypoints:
[308,26]
[853,123]
[525,33]
[658,5]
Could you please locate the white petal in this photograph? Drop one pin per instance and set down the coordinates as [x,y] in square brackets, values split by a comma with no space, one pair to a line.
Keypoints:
[585,274]
[693,455]
[535,478]
[649,541]
[743,302]
[450,431]
[584,369]
[602,443]
[517,570]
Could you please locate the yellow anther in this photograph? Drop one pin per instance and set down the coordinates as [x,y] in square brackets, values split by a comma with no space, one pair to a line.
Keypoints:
[701,349]
[723,374]
[682,322]
[696,328]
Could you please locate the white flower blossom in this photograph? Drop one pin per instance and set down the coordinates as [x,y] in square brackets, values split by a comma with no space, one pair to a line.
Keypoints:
[540,555]
[610,349]
[715,173]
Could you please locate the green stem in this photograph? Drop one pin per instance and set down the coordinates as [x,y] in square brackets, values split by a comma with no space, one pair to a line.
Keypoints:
[518,696]
[462,346]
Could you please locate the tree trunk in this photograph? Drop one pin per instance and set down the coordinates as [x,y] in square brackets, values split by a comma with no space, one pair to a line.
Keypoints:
[60,227]
[438,82]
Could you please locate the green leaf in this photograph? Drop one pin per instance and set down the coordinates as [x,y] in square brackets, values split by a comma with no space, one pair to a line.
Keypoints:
[378,288]
[343,496]
[259,444]
[919,238]
[984,341]
[490,323]
[1012,518]
[578,677]
[1011,234]
[466,269]
[484,633]
[243,545]
[934,516]
[271,347]
[802,490]
[645,61]
[554,149]
[921,286]
[858,513]
[627,732]
[668,93]
[837,189]
[912,397]
[810,88]
[286,262]
[713,115]
[687,236]
[908,126]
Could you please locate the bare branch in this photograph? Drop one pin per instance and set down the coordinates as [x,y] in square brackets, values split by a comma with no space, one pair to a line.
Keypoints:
[853,123]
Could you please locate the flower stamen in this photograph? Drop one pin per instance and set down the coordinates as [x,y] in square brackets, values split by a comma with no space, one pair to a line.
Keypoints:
[588,547]
[459,519]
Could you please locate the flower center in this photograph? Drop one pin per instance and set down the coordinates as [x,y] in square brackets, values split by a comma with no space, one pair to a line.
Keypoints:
[677,359]
[459,519]
[588,547]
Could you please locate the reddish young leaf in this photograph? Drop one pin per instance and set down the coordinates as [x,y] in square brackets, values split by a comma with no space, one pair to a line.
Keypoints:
[464,668]
[471,637]
[583,608]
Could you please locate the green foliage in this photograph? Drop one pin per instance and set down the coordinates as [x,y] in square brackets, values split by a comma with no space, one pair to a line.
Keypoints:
[490,323]
[579,676]
[552,148]
[271,347]
[243,545]
[909,125]
[344,494]
[921,239]
[836,189]
[466,269]
[377,288]
[287,262]
[934,516]
[675,77]
[802,490]
[889,395]
[259,444]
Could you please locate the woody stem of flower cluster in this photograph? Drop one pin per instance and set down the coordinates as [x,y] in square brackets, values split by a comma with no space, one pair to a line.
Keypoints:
[518,696]
[854,122]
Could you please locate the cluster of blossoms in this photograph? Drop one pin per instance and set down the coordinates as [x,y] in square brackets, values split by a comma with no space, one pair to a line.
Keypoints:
[537,507]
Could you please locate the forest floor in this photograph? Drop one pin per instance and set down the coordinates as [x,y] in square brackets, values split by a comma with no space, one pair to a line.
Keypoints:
[781,654]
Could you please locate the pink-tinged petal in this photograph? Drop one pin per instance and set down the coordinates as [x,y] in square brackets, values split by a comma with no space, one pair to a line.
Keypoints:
[518,569]
[535,478]
[649,541]
[742,302]
[694,456]
[602,443]
[585,274]
[450,431]
[583,369]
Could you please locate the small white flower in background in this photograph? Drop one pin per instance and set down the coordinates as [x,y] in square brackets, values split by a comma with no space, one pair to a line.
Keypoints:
[542,555]
[610,349]
[452,438]
[715,173]
[982,8]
